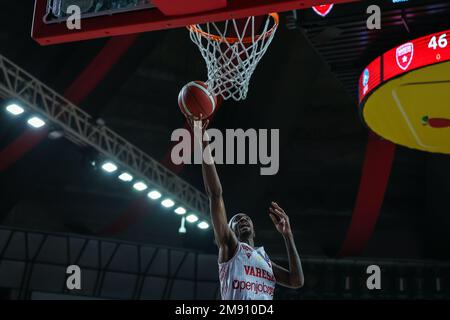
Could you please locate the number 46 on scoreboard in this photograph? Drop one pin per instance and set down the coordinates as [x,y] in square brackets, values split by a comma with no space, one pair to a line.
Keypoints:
[440,42]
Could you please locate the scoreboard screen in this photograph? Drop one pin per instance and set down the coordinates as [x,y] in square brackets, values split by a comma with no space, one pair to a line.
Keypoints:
[409,56]
[58,11]
[370,78]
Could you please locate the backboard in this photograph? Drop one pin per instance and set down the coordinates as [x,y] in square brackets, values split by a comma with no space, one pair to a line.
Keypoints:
[105,18]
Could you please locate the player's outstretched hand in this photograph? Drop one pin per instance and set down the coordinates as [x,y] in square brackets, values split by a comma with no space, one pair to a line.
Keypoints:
[195,123]
[280,219]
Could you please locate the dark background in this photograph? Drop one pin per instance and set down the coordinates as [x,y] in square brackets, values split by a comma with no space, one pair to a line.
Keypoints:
[304,86]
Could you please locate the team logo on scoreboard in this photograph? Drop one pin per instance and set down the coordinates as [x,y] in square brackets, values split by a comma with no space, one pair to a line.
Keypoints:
[405,55]
[365,80]
[323,9]
[366,77]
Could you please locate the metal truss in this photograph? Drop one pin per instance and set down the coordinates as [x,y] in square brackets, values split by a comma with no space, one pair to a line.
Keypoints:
[80,128]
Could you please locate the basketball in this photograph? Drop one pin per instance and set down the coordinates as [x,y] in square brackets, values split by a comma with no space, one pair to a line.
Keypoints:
[195,100]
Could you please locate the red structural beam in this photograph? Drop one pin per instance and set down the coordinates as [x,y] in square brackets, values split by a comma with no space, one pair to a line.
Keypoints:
[99,68]
[21,146]
[154,19]
[374,181]
[83,85]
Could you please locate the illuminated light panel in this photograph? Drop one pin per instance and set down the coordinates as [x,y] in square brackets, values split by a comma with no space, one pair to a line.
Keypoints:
[203,225]
[36,122]
[15,109]
[126,177]
[109,167]
[370,78]
[180,210]
[154,195]
[191,218]
[167,203]
[140,186]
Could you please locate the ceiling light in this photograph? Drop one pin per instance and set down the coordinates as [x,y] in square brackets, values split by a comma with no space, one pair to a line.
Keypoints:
[109,167]
[15,109]
[167,203]
[140,186]
[203,225]
[191,218]
[126,177]
[36,122]
[154,195]
[180,210]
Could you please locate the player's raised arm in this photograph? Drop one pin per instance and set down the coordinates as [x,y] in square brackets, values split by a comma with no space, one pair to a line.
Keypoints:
[292,278]
[225,238]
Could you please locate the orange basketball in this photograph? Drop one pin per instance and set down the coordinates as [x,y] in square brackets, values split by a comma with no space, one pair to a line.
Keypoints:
[195,100]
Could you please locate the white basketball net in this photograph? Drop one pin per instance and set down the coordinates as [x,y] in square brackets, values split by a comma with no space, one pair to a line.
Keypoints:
[231,61]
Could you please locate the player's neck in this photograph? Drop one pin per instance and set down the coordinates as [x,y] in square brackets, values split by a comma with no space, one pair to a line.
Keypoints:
[248,241]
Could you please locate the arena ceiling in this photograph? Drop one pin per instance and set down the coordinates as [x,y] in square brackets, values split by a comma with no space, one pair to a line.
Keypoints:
[305,86]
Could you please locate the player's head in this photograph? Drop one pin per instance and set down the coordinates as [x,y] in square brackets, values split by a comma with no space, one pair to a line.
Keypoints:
[242,226]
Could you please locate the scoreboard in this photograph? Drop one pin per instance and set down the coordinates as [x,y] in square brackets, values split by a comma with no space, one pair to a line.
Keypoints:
[409,56]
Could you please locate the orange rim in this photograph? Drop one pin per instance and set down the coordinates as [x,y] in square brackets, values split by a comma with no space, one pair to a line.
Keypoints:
[275,16]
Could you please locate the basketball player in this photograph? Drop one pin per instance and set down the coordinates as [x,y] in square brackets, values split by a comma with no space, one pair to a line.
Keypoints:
[245,271]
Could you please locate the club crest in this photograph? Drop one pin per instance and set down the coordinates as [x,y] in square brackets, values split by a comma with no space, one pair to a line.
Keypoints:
[405,55]
[323,9]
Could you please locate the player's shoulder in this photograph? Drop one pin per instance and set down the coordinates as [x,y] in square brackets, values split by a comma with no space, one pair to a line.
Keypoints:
[227,254]
[260,249]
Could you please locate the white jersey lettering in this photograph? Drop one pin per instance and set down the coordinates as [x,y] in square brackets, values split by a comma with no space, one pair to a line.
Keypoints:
[248,275]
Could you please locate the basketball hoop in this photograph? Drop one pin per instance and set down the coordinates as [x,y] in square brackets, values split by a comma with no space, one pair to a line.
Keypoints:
[231,60]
